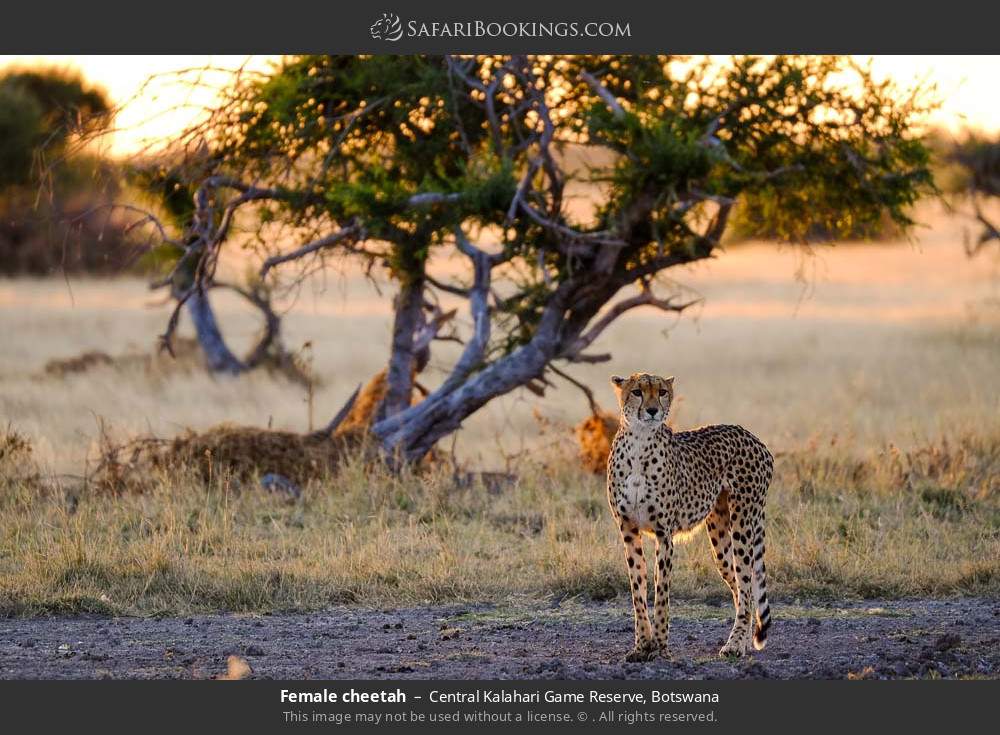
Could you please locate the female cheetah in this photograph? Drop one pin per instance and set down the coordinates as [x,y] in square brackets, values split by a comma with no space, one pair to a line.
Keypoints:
[662,483]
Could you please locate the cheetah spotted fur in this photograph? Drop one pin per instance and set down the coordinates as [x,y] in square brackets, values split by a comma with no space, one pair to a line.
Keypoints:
[662,483]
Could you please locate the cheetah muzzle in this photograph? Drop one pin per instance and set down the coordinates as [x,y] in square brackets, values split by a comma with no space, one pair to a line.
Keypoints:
[662,483]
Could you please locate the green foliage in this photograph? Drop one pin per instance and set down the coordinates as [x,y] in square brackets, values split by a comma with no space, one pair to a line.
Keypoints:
[41,113]
[803,146]
[172,191]
[977,160]
[41,108]
[20,134]
[802,155]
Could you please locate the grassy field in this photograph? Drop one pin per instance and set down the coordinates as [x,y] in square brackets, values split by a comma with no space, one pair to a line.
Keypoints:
[871,371]
[892,524]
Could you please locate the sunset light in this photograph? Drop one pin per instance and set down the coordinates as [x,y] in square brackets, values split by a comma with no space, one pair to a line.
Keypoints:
[492,368]
[154,103]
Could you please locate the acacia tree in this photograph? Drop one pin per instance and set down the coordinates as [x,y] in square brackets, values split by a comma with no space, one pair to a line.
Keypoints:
[393,159]
[46,183]
[187,203]
[979,160]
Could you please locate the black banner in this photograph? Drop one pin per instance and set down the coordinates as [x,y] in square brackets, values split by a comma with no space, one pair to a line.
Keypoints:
[500,706]
[516,26]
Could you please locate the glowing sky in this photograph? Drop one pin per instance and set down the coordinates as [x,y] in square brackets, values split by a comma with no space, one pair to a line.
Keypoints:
[966,87]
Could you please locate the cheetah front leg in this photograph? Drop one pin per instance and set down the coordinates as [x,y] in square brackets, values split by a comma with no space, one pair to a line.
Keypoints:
[637,579]
[661,603]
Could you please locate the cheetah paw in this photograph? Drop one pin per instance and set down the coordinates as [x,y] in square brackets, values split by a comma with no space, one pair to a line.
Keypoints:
[733,650]
[642,652]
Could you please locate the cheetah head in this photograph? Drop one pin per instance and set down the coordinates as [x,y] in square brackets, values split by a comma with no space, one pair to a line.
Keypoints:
[644,399]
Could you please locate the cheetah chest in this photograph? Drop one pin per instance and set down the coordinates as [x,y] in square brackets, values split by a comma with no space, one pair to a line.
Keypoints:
[638,492]
[636,499]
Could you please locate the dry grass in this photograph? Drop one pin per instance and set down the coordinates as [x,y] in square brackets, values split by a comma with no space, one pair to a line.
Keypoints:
[231,454]
[594,435]
[875,380]
[890,524]
[892,343]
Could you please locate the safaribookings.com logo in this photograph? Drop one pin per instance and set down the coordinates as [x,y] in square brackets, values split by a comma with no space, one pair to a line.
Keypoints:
[387,28]
[390,28]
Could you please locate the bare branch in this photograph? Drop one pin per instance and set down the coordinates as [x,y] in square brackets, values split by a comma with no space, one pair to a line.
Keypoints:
[166,339]
[603,237]
[432,197]
[594,407]
[447,287]
[522,188]
[601,91]
[352,231]
[592,359]
[475,347]
[272,322]
[645,298]
[428,332]
[990,231]
[146,217]
[337,420]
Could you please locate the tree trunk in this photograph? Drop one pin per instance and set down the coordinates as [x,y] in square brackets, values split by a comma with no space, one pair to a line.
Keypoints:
[416,431]
[408,319]
[411,433]
[218,356]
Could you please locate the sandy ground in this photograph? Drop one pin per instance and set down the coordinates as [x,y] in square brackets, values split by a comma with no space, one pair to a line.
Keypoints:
[872,639]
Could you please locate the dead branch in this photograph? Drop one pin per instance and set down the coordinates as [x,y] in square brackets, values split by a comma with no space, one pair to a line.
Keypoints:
[145,218]
[990,231]
[352,231]
[272,322]
[427,333]
[447,287]
[601,91]
[338,419]
[431,198]
[475,347]
[645,298]
[594,406]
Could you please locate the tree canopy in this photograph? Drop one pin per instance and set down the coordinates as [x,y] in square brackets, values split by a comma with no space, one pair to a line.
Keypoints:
[39,111]
[51,182]
[391,159]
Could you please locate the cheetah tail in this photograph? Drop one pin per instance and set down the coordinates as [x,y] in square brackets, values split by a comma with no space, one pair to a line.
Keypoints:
[763,610]
[763,623]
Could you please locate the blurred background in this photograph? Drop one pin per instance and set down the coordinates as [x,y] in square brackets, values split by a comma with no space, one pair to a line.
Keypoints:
[857,344]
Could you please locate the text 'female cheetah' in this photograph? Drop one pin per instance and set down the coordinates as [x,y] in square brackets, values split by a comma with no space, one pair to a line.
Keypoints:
[662,482]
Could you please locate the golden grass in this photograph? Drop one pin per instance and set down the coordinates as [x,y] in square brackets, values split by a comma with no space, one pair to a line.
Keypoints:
[235,454]
[889,343]
[890,524]
[874,380]
[594,435]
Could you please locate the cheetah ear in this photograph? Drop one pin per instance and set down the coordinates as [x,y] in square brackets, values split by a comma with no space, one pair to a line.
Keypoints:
[617,380]
[669,381]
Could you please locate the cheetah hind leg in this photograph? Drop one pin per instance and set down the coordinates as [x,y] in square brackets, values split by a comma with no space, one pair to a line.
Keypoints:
[739,641]
[721,537]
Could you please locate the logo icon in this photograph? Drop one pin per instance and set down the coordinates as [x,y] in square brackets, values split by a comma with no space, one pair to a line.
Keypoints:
[387,28]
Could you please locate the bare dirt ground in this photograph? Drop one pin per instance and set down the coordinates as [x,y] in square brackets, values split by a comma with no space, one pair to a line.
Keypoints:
[568,639]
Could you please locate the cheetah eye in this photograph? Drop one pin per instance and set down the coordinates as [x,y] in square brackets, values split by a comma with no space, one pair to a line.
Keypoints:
[637,393]
[663,392]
